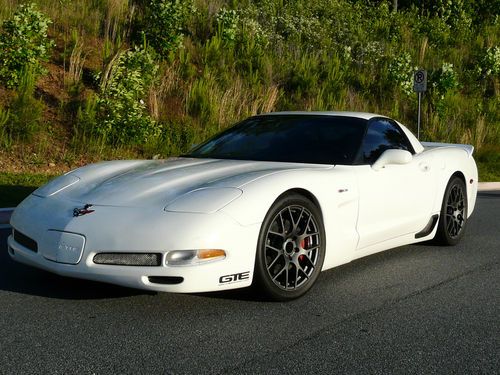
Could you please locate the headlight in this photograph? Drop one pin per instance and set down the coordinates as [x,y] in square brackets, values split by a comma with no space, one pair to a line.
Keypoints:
[56,185]
[204,200]
[190,257]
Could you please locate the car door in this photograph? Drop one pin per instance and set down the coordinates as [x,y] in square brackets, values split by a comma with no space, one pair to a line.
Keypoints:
[397,199]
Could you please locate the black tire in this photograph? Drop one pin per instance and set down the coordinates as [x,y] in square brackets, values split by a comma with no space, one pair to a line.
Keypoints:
[290,249]
[453,217]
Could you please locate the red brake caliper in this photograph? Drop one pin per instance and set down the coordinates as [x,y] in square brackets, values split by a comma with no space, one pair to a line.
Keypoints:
[303,244]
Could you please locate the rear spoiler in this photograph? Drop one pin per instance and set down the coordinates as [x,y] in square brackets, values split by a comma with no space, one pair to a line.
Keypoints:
[469,149]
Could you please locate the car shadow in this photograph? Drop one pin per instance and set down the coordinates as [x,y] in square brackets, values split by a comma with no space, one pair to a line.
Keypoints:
[18,278]
[248,294]
[489,194]
[12,195]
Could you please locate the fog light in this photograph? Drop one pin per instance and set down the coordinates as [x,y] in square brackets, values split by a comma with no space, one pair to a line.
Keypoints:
[189,257]
[180,257]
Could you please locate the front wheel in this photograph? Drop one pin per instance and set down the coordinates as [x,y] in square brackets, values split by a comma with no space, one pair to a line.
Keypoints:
[453,218]
[290,249]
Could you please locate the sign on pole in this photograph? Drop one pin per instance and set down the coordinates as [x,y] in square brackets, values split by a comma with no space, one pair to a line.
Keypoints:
[420,81]
[419,86]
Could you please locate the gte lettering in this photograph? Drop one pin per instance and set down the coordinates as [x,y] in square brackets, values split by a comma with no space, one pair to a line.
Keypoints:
[234,277]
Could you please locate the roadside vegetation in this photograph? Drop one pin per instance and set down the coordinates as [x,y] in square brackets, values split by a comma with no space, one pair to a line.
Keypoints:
[85,80]
[14,187]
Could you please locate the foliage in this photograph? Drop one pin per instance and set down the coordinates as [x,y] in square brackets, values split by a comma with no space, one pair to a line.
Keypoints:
[224,60]
[25,110]
[24,44]
[14,187]
[488,159]
[453,13]
[121,111]
[401,72]
[489,65]
[4,136]
[444,80]
[227,23]
[165,23]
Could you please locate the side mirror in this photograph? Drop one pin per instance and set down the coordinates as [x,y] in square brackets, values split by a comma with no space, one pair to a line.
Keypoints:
[392,157]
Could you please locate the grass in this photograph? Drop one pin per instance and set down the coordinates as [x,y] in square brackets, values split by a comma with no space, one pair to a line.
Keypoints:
[14,187]
[488,172]
[488,163]
[241,58]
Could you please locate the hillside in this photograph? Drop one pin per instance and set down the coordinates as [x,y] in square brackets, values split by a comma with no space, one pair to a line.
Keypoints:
[85,80]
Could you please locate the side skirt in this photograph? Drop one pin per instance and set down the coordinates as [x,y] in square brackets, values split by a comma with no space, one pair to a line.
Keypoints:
[429,227]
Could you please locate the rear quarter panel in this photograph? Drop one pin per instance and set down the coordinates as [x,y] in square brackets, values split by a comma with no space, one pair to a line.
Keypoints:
[451,160]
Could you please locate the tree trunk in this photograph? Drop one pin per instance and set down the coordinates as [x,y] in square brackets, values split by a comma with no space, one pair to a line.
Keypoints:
[394,5]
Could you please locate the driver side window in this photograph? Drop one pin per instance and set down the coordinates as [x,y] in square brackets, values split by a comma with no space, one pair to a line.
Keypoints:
[383,134]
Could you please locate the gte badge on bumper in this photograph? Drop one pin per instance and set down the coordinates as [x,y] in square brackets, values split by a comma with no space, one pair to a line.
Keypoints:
[234,278]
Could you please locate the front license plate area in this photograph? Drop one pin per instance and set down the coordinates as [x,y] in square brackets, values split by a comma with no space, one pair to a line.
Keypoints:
[63,247]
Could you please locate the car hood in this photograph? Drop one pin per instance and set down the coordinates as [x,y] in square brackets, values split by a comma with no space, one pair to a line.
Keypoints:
[158,182]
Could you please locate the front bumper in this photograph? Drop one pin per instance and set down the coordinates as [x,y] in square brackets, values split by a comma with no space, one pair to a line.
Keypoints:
[137,230]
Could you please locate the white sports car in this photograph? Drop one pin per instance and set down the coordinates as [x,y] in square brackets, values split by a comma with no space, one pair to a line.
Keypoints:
[271,202]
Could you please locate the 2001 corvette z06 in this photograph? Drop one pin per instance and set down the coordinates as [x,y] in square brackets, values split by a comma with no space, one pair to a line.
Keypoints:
[271,201]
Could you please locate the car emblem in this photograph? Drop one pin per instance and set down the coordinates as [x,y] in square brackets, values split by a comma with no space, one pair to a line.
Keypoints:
[82,211]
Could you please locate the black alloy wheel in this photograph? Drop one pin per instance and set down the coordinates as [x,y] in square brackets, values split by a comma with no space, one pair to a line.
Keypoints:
[453,218]
[290,249]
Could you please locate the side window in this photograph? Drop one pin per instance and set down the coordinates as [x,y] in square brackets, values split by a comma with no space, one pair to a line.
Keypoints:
[381,135]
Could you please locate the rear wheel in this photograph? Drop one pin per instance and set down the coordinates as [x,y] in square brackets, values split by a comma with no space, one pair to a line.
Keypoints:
[453,218]
[290,250]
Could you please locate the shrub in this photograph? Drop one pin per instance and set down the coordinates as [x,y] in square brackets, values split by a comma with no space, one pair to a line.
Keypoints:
[165,23]
[490,62]
[435,29]
[252,31]
[444,80]
[453,12]
[227,24]
[401,72]
[24,44]
[177,137]
[122,115]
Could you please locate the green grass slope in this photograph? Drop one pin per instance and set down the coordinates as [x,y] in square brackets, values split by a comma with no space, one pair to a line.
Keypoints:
[125,78]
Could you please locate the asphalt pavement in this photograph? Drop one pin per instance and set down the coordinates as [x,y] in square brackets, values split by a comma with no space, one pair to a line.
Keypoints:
[418,309]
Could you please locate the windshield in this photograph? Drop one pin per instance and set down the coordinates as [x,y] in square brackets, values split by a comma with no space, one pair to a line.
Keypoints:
[288,138]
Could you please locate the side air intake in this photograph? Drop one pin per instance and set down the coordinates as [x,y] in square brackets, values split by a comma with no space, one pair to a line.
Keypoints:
[25,241]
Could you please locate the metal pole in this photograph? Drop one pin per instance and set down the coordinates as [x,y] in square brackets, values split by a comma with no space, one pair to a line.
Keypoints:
[418,118]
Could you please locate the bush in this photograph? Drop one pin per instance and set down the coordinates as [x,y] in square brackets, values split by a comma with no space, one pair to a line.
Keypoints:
[227,24]
[443,80]
[401,72]
[165,23]
[121,112]
[24,44]
[490,62]
[453,12]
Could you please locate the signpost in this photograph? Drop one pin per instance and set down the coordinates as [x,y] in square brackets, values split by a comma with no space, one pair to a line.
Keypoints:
[419,86]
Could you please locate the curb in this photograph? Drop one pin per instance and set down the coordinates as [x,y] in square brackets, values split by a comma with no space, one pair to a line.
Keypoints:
[5,213]
[485,186]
